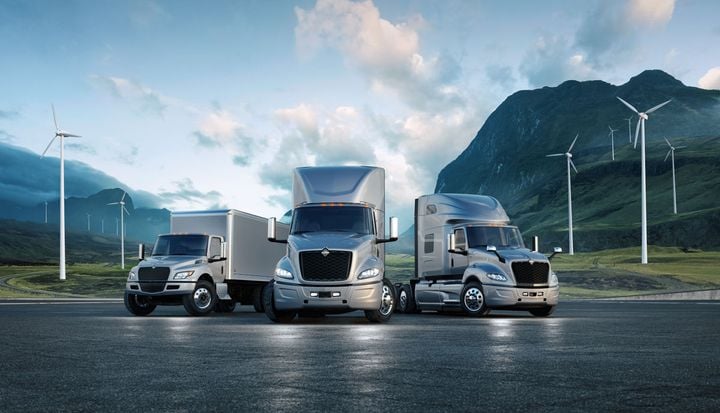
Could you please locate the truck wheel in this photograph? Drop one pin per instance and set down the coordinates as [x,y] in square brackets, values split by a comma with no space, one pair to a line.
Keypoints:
[273,314]
[472,300]
[387,304]
[258,299]
[202,300]
[225,306]
[138,304]
[405,300]
[542,312]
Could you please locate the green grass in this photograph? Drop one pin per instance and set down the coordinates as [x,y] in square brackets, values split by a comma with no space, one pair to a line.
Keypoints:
[86,280]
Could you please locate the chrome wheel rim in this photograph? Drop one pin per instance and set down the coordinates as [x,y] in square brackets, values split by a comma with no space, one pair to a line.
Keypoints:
[387,301]
[402,300]
[202,298]
[473,299]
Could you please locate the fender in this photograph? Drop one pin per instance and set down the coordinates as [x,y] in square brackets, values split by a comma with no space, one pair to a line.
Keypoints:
[478,270]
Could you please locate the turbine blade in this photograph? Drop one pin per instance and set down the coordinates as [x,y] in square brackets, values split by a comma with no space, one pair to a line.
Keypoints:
[113,203]
[628,105]
[555,154]
[654,108]
[48,147]
[70,135]
[573,165]
[666,156]
[125,209]
[678,147]
[668,142]
[123,197]
[637,132]
[573,143]
[54,118]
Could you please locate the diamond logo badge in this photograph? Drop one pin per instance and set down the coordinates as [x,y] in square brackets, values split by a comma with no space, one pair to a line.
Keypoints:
[325,252]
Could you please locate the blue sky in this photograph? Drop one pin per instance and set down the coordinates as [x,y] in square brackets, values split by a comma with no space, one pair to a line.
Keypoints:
[212,104]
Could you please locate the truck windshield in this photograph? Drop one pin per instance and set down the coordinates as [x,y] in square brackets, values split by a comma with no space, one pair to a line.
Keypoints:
[195,245]
[500,237]
[354,219]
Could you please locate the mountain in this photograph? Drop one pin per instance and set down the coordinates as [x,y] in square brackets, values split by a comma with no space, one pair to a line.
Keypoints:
[506,159]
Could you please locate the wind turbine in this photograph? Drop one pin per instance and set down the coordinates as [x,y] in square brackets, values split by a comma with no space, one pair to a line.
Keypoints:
[612,140]
[59,133]
[123,211]
[671,153]
[629,129]
[88,217]
[642,117]
[568,156]
[46,212]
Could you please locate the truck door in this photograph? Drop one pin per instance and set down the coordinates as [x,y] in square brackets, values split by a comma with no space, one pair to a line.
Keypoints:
[218,265]
[459,262]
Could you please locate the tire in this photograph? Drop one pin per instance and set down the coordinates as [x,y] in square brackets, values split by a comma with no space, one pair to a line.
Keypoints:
[225,306]
[542,312]
[257,294]
[138,304]
[387,304]
[273,314]
[405,300]
[202,300]
[472,300]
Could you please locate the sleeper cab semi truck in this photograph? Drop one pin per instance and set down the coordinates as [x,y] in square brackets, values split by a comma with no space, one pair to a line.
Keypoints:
[468,257]
[211,260]
[335,260]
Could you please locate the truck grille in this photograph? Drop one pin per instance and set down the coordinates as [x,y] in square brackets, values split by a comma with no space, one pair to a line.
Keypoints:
[527,274]
[159,274]
[333,267]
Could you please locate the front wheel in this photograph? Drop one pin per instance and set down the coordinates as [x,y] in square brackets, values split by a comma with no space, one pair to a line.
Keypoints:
[202,300]
[138,304]
[472,300]
[542,312]
[271,312]
[387,304]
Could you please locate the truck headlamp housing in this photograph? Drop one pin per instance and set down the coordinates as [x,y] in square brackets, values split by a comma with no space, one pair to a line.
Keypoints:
[183,275]
[283,273]
[496,277]
[369,273]
[132,276]
[553,279]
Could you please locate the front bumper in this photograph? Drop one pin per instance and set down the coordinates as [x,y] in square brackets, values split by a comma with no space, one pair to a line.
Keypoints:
[519,298]
[173,287]
[366,296]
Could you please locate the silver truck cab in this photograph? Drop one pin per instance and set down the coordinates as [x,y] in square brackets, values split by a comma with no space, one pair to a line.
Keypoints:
[335,259]
[468,256]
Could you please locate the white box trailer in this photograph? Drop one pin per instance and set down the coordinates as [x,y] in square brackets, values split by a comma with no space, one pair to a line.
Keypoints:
[210,260]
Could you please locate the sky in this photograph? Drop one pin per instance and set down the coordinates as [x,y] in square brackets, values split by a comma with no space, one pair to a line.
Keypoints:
[211,104]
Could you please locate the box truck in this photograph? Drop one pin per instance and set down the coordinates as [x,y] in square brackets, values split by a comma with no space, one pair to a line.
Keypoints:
[469,257]
[335,259]
[211,260]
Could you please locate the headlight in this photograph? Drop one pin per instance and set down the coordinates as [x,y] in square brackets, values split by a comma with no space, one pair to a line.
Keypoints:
[553,279]
[369,273]
[183,275]
[132,276]
[283,273]
[496,277]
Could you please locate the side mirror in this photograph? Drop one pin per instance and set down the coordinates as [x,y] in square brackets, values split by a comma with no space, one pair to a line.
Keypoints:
[393,232]
[223,250]
[452,246]
[272,231]
[535,243]
[493,249]
[141,252]
[556,250]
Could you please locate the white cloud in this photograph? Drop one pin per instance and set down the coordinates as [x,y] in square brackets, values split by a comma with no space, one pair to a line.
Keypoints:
[651,12]
[145,99]
[220,129]
[552,62]
[711,79]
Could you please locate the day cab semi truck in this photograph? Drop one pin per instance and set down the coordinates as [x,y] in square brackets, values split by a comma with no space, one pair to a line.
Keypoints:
[469,257]
[335,260]
[211,260]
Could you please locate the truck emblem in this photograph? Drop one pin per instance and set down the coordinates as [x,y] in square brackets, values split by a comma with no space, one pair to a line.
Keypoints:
[531,262]
[325,252]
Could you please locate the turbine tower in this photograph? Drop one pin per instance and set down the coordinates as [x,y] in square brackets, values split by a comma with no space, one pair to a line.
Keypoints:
[123,211]
[642,117]
[59,133]
[612,140]
[671,153]
[46,212]
[88,217]
[629,129]
[568,156]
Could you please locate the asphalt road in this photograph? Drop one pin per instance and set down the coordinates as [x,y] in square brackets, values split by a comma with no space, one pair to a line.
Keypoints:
[588,356]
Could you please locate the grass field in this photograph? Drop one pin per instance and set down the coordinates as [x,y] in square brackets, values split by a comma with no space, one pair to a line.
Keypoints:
[609,273]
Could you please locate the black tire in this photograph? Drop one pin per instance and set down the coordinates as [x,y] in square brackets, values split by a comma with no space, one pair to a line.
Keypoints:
[257,294]
[405,300]
[472,300]
[138,304]
[542,312]
[202,300]
[273,314]
[225,306]
[387,304]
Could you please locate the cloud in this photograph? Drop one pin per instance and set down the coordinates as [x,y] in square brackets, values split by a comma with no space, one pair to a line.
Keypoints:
[142,97]
[130,156]
[711,79]
[501,75]
[9,114]
[220,129]
[551,62]
[387,53]
[651,12]
[6,137]
[80,147]
[186,194]
[147,13]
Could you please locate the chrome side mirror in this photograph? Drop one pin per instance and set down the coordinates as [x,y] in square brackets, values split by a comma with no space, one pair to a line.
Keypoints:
[272,231]
[141,252]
